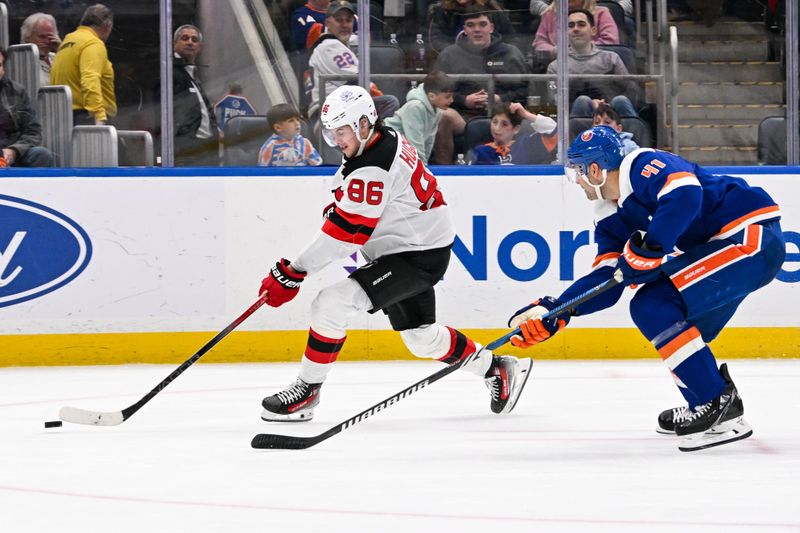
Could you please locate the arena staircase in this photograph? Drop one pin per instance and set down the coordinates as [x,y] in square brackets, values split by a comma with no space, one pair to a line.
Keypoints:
[728,84]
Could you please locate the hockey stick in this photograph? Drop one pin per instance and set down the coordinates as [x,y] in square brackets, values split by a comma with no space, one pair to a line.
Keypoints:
[288,442]
[114,418]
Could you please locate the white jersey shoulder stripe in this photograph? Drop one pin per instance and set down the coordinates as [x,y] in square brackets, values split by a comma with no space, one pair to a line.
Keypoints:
[625,187]
[677,180]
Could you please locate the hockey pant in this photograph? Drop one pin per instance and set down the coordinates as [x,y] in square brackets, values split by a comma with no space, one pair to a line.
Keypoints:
[706,284]
[335,307]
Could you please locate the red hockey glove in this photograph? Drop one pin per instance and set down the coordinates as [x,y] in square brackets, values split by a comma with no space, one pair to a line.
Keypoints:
[534,329]
[640,264]
[282,284]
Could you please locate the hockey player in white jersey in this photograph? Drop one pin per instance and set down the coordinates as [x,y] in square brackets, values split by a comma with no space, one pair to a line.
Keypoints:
[388,205]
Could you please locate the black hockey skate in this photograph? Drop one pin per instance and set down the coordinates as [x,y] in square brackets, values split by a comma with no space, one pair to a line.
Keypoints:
[667,419]
[717,422]
[295,403]
[505,380]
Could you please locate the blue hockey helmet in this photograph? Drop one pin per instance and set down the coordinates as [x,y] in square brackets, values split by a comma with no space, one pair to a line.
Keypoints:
[599,144]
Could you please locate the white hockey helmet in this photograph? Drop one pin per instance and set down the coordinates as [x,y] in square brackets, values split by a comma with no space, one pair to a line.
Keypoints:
[345,107]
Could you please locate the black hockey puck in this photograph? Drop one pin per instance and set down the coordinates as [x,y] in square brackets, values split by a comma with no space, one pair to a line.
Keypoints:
[53,424]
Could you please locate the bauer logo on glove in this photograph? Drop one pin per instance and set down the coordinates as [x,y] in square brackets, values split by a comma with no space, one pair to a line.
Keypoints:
[282,284]
[639,263]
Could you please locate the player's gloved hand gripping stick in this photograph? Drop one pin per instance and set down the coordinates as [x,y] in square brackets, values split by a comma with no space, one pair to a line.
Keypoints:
[288,442]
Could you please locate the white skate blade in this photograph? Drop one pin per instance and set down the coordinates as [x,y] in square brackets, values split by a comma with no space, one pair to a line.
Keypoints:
[730,431]
[90,418]
[523,371]
[304,415]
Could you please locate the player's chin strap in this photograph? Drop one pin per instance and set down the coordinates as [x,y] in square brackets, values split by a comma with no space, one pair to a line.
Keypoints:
[362,143]
[596,188]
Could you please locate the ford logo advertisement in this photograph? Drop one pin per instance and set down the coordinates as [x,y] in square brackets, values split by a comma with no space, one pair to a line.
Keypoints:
[41,250]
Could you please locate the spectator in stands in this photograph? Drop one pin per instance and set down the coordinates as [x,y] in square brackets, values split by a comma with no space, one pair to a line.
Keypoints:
[606,31]
[20,131]
[332,54]
[505,127]
[604,115]
[419,118]
[480,51]
[40,29]
[308,23]
[586,58]
[477,50]
[196,132]
[82,64]
[538,7]
[445,21]
[287,147]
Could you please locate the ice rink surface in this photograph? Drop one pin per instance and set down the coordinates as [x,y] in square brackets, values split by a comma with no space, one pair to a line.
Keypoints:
[579,453]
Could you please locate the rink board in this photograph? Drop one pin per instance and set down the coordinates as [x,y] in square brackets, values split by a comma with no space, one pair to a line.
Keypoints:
[169,259]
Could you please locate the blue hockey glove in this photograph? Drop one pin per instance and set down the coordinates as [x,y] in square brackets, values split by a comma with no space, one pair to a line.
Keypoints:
[638,263]
[534,329]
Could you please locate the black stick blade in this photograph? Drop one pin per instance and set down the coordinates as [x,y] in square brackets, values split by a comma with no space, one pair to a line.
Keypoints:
[266,441]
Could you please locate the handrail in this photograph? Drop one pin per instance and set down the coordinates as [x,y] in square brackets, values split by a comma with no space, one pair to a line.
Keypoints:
[650,40]
[637,22]
[792,106]
[675,87]
[663,38]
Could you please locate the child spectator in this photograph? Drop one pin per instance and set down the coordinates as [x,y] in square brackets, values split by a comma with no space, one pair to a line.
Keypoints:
[420,116]
[506,123]
[286,147]
[605,115]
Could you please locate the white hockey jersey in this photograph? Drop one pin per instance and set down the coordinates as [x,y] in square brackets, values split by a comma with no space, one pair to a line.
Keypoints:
[386,201]
[330,56]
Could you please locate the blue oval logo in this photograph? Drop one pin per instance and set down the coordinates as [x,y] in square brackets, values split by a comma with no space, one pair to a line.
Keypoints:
[41,250]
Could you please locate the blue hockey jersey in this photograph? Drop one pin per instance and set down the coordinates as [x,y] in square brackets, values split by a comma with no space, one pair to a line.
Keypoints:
[679,204]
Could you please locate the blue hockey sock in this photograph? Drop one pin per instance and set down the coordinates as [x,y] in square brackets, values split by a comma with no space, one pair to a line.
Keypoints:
[692,364]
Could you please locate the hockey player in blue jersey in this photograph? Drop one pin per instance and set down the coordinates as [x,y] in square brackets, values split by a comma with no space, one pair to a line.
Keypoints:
[695,244]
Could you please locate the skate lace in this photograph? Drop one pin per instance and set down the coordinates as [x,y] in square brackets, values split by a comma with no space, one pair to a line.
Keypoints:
[699,411]
[494,385]
[294,392]
[679,414]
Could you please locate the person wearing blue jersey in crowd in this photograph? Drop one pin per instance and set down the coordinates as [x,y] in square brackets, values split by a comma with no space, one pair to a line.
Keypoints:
[695,244]
[308,23]
[287,147]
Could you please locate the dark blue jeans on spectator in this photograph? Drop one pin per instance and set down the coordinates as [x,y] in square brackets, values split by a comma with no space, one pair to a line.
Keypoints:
[38,156]
[583,106]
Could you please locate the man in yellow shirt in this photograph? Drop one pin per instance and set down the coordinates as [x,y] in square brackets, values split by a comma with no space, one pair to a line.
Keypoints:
[82,64]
